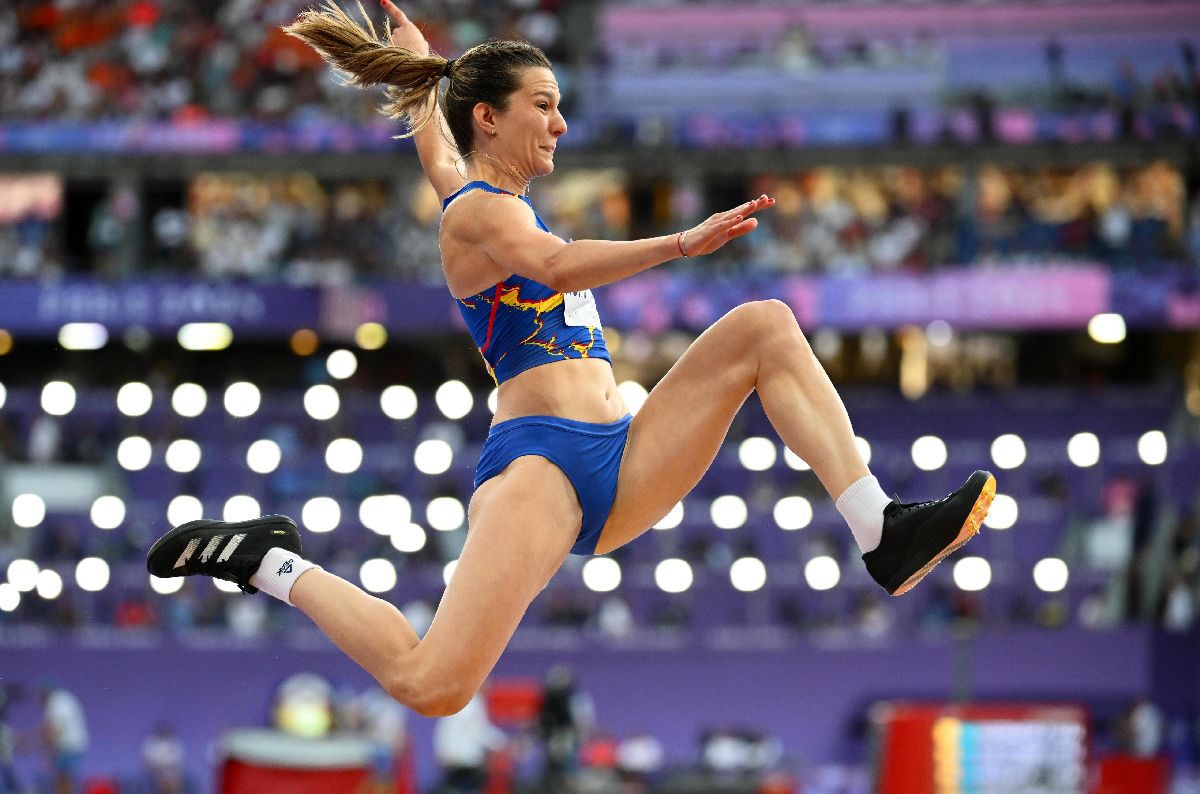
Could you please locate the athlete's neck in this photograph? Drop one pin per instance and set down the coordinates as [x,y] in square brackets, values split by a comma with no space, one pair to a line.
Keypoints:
[496,172]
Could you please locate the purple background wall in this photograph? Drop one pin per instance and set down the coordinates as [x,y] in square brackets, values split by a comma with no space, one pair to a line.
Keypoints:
[811,697]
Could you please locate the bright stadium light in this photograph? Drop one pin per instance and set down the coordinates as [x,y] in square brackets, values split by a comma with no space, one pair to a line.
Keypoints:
[409,538]
[10,597]
[433,456]
[794,461]
[634,394]
[602,574]
[398,402]
[58,398]
[793,512]
[321,514]
[49,584]
[1008,451]
[445,513]
[757,453]
[493,400]
[92,574]
[134,399]
[1003,513]
[321,402]
[205,336]
[341,364]
[748,574]
[385,514]
[377,575]
[454,399]
[448,571]
[864,448]
[23,574]
[972,573]
[189,399]
[672,518]
[108,512]
[263,456]
[1050,574]
[1107,328]
[28,510]
[166,586]
[1152,447]
[822,572]
[3,395]
[673,575]
[133,453]
[184,508]
[929,453]
[82,336]
[183,455]
[343,455]
[1084,450]
[728,511]
[242,399]
[225,587]
[370,336]
[241,507]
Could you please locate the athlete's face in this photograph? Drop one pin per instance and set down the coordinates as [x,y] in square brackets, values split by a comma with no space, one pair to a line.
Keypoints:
[528,132]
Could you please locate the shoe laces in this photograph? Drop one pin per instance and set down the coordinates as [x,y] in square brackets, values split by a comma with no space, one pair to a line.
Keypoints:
[906,507]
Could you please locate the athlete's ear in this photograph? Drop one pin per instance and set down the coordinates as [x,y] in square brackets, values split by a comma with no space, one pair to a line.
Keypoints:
[485,119]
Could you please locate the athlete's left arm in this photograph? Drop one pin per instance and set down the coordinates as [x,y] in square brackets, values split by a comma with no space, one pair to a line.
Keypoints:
[434,148]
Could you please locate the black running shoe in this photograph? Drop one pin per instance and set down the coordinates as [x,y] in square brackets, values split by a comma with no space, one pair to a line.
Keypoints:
[223,550]
[919,535]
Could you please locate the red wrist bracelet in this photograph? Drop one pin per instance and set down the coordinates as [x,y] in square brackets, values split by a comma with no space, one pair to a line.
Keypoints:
[679,242]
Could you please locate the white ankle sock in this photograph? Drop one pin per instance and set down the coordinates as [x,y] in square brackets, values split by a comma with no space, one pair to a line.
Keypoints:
[278,571]
[862,506]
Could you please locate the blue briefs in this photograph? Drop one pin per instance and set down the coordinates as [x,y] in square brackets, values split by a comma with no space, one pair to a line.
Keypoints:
[588,453]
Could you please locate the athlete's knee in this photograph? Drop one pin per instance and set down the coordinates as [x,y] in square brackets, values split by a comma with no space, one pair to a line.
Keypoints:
[771,325]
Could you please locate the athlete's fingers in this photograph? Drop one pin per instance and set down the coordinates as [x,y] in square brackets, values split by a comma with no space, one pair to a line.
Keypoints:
[743,227]
[394,12]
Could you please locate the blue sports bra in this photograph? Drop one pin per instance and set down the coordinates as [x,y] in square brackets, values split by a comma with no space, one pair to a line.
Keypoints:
[519,324]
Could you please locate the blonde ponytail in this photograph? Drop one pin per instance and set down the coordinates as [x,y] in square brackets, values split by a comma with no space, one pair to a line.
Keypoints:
[365,58]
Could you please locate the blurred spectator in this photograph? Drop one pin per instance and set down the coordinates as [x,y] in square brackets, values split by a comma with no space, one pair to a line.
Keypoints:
[382,724]
[65,736]
[565,716]
[639,759]
[462,743]
[1142,729]
[163,759]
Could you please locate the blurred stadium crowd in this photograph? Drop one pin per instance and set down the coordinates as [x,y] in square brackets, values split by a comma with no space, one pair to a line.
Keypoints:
[300,229]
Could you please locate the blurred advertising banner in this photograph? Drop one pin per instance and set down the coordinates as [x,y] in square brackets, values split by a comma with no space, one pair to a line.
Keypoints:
[42,307]
[1009,298]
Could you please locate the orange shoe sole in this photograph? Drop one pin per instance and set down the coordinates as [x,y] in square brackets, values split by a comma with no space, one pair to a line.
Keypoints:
[969,529]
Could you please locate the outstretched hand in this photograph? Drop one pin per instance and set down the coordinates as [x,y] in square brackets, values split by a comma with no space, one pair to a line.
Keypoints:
[405,34]
[722,227]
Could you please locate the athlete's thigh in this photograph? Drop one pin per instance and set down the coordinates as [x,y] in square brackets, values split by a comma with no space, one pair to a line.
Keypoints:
[676,434]
[522,524]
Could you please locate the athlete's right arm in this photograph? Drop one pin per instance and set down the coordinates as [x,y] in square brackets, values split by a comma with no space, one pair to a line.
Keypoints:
[504,228]
[434,149]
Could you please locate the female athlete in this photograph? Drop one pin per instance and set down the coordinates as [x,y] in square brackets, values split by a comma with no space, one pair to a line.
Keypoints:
[565,468]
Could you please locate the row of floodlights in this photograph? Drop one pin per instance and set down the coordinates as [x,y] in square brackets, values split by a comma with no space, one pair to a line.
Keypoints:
[455,400]
[214,336]
[600,574]
[392,514]
[1106,328]
[435,456]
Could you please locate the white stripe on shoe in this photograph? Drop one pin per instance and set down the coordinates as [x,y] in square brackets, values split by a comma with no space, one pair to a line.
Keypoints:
[230,546]
[211,547]
[187,552]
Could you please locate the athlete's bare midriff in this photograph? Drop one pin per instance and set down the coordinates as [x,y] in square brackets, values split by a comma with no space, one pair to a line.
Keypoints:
[581,389]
